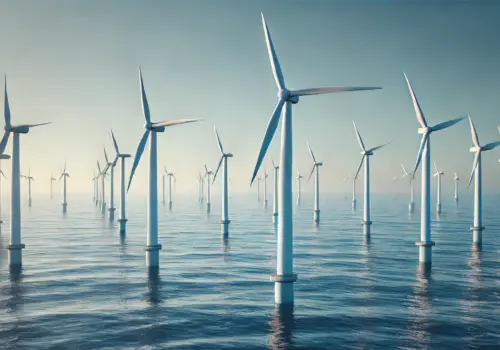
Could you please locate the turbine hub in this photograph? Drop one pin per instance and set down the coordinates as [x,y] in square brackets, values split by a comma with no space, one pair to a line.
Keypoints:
[283,94]
[426,130]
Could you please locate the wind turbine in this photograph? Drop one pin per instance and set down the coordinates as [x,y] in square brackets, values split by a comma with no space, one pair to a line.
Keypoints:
[456,178]
[276,170]
[478,227]
[207,176]
[284,276]
[123,218]
[266,175]
[366,154]
[110,165]
[200,188]
[223,159]
[29,178]
[424,154]
[152,246]
[298,186]
[169,175]
[103,183]
[405,174]
[99,174]
[52,179]
[316,166]
[438,202]
[15,247]
[2,157]
[259,179]
[64,175]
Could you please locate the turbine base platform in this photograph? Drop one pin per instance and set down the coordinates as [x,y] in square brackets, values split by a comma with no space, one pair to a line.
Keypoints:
[425,244]
[275,218]
[283,278]
[225,222]
[316,216]
[425,254]
[16,246]
[152,248]
[64,207]
[123,224]
[477,228]
[367,223]
[410,207]
[122,220]
[16,254]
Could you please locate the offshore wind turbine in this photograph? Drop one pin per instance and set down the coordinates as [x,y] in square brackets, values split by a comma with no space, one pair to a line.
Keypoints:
[110,165]
[477,228]
[200,188]
[29,178]
[315,167]
[103,174]
[208,173]
[284,276]
[365,159]
[163,186]
[298,186]
[266,175]
[169,175]
[52,179]
[276,170]
[225,203]
[424,154]
[2,157]
[123,217]
[151,129]
[64,175]
[259,179]
[456,178]
[15,247]
[99,174]
[438,201]
[410,175]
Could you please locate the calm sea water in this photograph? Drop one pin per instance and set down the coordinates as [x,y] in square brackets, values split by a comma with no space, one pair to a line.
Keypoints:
[84,287]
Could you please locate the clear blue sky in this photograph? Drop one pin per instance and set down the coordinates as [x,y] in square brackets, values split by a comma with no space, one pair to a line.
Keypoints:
[75,63]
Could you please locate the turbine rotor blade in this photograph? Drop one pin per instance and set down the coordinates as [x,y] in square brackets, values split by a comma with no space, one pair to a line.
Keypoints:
[273,58]
[4,141]
[218,167]
[378,147]
[423,143]
[168,123]
[474,166]
[311,152]
[138,154]
[268,137]
[218,141]
[475,139]
[6,111]
[115,144]
[144,100]
[330,90]
[416,105]
[359,167]
[312,171]
[360,140]
[106,156]
[491,145]
[435,167]
[447,124]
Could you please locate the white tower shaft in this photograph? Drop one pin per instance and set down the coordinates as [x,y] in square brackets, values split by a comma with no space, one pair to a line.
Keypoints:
[478,228]
[123,218]
[275,197]
[366,205]
[316,196]
[152,246]
[15,247]
[425,244]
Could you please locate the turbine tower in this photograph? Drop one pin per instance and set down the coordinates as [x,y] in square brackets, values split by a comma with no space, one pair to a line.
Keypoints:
[266,175]
[169,175]
[438,202]
[2,157]
[316,166]
[259,179]
[284,276]
[15,247]
[298,186]
[152,246]
[456,178]
[111,165]
[478,227]
[200,188]
[103,183]
[405,174]
[64,175]
[123,217]
[366,154]
[29,178]
[52,179]
[99,174]
[223,159]
[424,154]
[208,173]
[353,191]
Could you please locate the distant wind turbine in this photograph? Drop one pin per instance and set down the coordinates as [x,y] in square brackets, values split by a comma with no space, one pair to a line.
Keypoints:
[111,165]
[200,188]
[29,178]
[285,276]
[99,174]
[52,179]
[266,175]
[365,159]
[223,161]
[152,246]
[316,166]
[2,157]
[169,176]
[15,247]
[424,154]
[478,227]
[438,174]
[456,178]
[208,173]
[123,217]
[64,175]
[276,170]
[405,174]
[298,186]
[259,179]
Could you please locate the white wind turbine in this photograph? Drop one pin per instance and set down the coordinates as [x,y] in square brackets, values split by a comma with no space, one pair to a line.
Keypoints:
[111,165]
[284,276]
[208,173]
[123,217]
[266,175]
[152,246]
[410,175]
[29,178]
[424,154]
[200,188]
[103,175]
[170,176]
[478,227]
[2,157]
[52,179]
[298,186]
[456,178]
[99,174]
[438,174]
[276,170]
[223,159]
[316,166]
[15,247]
[366,154]
[353,191]
[64,175]
[259,179]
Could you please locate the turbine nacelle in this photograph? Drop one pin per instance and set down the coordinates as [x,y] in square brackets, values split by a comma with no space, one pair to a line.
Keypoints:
[124,155]
[4,156]
[423,131]
[20,129]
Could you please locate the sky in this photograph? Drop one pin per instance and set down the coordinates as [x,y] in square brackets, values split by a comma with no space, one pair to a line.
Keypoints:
[75,63]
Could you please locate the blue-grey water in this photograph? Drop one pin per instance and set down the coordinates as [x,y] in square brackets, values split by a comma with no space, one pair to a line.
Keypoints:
[83,286]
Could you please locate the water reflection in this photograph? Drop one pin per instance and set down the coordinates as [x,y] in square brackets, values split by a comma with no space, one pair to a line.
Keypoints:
[154,282]
[419,308]
[282,324]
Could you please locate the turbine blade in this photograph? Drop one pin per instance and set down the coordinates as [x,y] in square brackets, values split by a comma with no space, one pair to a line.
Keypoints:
[474,166]
[273,58]
[138,154]
[218,167]
[268,137]
[144,100]
[379,147]
[491,145]
[4,141]
[206,170]
[168,123]
[359,167]
[447,124]
[423,142]
[218,141]
[6,111]
[106,156]
[312,171]
[416,105]
[475,139]
[34,125]
[435,167]
[360,140]
[405,173]
[330,90]
[311,152]
[115,144]
[1,172]
[99,167]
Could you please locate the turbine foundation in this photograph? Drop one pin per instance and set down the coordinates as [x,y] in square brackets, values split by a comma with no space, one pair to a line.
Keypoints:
[477,235]
[411,207]
[153,255]
[103,208]
[275,218]
[112,214]
[123,225]
[29,202]
[425,254]
[283,288]
[367,229]
[438,208]
[225,226]
[64,207]
[208,207]
[316,216]
[354,204]
[15,254]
